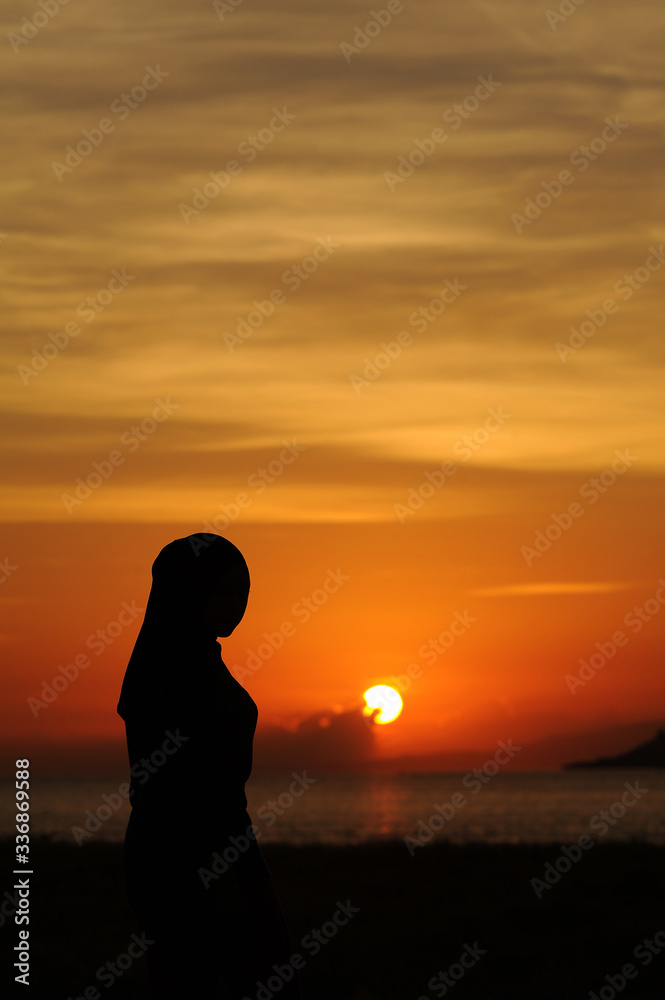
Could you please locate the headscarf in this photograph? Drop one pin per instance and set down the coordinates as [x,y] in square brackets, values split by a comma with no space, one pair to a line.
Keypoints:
[172,642]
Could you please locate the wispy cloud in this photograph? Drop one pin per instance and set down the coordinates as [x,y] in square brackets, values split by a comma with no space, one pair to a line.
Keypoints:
[553,589]
[324,176]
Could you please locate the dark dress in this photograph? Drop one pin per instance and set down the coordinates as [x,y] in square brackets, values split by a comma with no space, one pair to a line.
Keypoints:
[190,852]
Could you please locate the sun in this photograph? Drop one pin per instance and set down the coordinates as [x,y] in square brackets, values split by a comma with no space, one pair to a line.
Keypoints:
[386,699]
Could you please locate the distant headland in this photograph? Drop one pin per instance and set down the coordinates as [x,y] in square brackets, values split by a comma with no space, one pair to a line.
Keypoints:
[649,754]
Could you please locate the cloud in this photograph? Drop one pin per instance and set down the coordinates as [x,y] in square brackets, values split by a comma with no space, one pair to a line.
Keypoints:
[553,589]
[324,174]
[325,740]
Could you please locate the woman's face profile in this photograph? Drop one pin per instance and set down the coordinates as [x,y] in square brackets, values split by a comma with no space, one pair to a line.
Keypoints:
[225,607]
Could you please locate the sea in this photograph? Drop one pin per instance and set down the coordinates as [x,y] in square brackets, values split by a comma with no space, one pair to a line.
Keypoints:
[344,809]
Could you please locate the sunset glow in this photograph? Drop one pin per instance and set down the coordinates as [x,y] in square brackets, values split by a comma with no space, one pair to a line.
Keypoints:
[417,380]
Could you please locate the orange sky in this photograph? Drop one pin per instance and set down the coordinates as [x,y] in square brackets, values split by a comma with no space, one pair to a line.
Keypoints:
[139,350]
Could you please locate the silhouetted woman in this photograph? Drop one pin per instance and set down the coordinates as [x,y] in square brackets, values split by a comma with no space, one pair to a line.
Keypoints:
[196,879]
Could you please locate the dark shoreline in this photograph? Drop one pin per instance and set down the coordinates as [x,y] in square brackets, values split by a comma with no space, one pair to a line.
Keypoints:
[416,915]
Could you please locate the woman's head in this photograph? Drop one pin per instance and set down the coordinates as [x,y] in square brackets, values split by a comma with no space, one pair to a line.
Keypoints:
[200,586]
[200,582]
